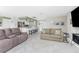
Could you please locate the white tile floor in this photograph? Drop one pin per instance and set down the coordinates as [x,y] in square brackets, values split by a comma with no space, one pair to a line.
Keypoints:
[36,45]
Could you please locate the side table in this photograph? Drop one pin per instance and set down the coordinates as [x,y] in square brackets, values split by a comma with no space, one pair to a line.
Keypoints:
[66,35]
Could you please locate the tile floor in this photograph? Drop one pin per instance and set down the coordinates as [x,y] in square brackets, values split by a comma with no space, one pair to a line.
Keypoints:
[36,45]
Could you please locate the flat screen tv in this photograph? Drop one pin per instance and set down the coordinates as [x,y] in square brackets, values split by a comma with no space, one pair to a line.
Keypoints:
[75,17]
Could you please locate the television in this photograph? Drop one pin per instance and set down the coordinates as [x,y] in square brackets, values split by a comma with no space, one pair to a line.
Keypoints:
[75,17]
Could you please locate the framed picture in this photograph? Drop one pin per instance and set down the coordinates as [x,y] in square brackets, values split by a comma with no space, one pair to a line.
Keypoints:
[57,23]
[62,23]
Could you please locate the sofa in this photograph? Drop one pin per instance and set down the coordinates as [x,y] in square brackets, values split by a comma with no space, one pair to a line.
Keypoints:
[52,34]
[10,38]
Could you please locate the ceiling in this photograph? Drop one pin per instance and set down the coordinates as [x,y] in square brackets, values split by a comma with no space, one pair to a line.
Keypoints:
[37,11]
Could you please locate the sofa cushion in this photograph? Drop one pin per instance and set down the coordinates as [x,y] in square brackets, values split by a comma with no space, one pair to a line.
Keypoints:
[2,35]
[52,31]
[8,32]
[16,31]
[11,36]
[55,36]
[22,38]
[46,31]
[15,41]
[5,45]
[58,32]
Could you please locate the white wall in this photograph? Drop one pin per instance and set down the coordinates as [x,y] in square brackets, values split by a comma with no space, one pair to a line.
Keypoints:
[70,28]
[50,23]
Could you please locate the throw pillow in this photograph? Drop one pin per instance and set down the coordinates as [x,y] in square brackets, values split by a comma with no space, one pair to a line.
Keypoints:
[57,32]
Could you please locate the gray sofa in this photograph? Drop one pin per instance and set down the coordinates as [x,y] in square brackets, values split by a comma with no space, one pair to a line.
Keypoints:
[10,38]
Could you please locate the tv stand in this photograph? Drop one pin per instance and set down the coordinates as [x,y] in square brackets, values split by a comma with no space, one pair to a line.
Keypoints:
[76,38]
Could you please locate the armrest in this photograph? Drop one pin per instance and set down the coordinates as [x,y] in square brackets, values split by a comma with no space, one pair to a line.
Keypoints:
[62,34]
[41,32]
